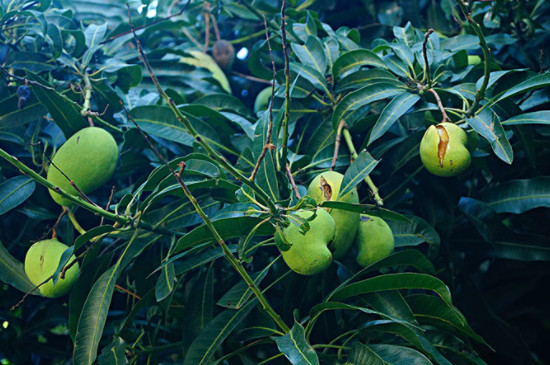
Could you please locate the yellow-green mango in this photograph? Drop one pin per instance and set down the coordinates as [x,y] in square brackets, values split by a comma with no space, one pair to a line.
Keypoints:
[326,186]
[88,158]
[443,150]
[42,260]
[309,253]
[374,240]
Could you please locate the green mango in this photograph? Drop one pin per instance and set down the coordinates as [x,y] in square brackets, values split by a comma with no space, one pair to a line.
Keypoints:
[443,150]
[474,60]
[308,253]
[326,186]
[42,260]
[374,240]
[262,100]
[88,158]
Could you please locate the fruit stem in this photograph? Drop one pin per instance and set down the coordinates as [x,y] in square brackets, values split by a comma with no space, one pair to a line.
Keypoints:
[284,123]
[75,223]
[377,198]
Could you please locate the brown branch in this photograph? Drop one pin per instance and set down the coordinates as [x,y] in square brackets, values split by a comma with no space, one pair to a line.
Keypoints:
[269,143]
[215,26]
[191,38]
[252,78]
[146,25]
[425,54]
[341,126]
[440,105]
[292,182]
[206,26]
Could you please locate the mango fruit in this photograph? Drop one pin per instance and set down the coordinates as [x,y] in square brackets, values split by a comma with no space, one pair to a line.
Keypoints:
[88,158]
[443,150]
[374,240]
[309,253]
[41,261]
[326,186]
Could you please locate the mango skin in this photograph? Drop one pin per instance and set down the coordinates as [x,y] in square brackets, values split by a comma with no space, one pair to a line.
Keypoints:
[88,158]
[42,260]
[374,240]
[457,157]
[346,222]
[309,253]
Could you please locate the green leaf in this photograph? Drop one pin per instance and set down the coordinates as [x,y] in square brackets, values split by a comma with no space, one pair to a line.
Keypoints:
[165,282]
[535,82]
[311,75]
[114,353]
[312,54]
[394,282]
[362,78]
[199,307]
[363,355]
[356,58]
[63,111]
[228,228]
[541,117]
[357,171]
[15,191]
[430,309]
[239,294]
[414,232]
[517,250]
[393,111]
[92,233]
[96,307]
[211,337]
[351,105]
[94,34]
[487,124]
[519,196]
[12,272]
[296,348]
[397,355]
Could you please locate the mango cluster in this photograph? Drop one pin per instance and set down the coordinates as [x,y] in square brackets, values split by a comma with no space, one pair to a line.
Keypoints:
[332,232]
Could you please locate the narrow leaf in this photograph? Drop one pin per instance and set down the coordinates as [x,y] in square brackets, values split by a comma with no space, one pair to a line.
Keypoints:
[15,191]
[357,171]
[391,113]
[12,272]
[488,125]
[356,58]
[519,196]
[296,348]
[542,117]
[536,82]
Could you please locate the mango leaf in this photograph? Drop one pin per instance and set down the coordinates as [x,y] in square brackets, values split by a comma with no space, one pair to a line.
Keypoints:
[94,34]
[505,249]
[12,272]
[239,294]
[114,353]
[393,111]
[430,309]
[312,54]
[357,171]
[199,307]
[352,104]
[63,111]
[365,208]
[296,348]
[356,58]
[414,232]
[362,354]
[393,354]
[361,78]
[15,191]
[488,125]
[96,307]
[165,282]
[11,116]
[541,117]
[228,228]
[394,282]
[535,82]
[311,75]
[198,259]
[519,196]
[216,331]
[92,233]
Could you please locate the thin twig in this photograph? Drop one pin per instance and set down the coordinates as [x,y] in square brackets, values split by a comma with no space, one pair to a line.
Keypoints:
[440,105]
[425,54]
[24,80]
[252,78]
[268,144]
[341,125]
[191,38]
[206,26]
[284,123]
[215,26]
[292,182]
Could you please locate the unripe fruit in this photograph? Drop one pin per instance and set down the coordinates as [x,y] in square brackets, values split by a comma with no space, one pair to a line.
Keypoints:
[224,54]
[308,253]
[443,150]
[374,240]
[326,186]
[474,60]
[262,100]
[88,158]
[41,262]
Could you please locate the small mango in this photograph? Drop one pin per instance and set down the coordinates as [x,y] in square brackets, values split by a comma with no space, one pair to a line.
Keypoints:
[326,186]
[308,253]
[374,240]
[41,261]
[88,158]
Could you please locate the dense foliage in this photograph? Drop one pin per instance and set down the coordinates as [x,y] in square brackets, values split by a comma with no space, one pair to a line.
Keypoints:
[178,261]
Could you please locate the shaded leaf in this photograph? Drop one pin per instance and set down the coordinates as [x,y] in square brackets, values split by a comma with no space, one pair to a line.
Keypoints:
[541,117]
[12,272]
[519,196]
[393,111]
[296,348]
[359,169]
[356,58]
[15,191]
[488,125]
